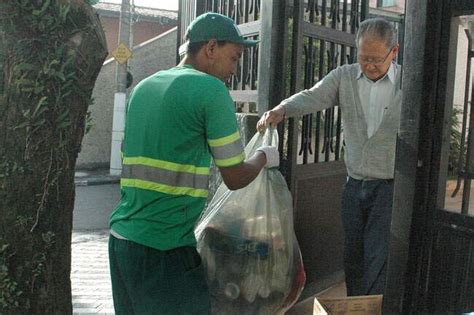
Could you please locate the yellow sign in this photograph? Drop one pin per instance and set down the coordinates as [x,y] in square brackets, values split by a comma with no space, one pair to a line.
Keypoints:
[121,53]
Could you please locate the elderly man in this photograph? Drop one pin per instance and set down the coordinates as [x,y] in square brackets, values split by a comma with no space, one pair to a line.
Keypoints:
[369,96]
[176,119]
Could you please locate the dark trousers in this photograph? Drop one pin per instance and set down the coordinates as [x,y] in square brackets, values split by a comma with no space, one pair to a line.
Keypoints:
[150,281]
[366,213]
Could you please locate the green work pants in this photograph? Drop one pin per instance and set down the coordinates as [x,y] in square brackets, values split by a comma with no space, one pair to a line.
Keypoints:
[149,281]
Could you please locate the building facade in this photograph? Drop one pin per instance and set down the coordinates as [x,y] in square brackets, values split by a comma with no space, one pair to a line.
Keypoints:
[154,48]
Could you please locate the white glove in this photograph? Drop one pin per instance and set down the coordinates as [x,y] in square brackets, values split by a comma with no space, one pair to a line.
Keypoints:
[272,154]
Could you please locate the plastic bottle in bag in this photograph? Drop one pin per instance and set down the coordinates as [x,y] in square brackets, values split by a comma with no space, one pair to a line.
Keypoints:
[247,243]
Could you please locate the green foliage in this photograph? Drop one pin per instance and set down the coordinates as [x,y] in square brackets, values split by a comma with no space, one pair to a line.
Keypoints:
[40,258]
[39,44]
[9,291]
[12,298]
[48,75]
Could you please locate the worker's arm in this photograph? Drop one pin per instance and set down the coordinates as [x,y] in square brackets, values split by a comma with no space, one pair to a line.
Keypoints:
[239,176]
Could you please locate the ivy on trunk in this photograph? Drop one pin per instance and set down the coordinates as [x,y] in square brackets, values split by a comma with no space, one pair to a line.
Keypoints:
[50,55]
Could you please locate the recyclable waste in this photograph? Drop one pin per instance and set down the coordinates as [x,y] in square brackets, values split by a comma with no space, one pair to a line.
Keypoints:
[248,245]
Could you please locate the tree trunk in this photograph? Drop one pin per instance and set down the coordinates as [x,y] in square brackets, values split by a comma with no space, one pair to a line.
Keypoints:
[51,52]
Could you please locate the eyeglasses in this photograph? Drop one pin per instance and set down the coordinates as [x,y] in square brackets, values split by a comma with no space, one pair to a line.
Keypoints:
[375,62]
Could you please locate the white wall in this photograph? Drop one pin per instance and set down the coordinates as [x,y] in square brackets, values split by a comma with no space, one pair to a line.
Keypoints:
[149,57]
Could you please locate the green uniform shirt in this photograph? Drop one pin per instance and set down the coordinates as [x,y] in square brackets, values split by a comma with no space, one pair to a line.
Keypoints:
[175,120]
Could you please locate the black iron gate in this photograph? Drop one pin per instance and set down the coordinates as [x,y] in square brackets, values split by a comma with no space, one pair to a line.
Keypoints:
[431,265]
[323,38]
[300,42]
[259,81]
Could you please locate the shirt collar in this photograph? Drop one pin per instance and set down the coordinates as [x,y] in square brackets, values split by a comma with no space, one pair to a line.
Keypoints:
[187,65]
[359,74]
[391,73]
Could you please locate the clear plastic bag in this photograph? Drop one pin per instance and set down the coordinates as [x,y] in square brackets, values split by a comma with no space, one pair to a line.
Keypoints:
[248,245]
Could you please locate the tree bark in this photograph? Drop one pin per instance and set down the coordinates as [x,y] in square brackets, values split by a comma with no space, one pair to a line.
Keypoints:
[50,55]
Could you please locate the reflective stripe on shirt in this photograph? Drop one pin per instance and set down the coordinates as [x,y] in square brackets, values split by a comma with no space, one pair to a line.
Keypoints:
[227,151]
[166,177]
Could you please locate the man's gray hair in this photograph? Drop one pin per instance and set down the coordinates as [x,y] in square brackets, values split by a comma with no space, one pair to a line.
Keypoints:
[378,28]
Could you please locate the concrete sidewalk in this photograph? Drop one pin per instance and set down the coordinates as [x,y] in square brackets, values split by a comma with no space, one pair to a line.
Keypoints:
[90,278]
[97,193]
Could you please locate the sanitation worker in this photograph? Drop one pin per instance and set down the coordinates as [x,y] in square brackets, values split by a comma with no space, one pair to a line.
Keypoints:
[176,121]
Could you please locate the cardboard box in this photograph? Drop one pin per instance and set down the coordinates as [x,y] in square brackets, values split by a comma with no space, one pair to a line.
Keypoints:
[362,305]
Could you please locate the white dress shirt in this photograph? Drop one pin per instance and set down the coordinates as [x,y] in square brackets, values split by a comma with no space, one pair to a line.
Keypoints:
[375,97]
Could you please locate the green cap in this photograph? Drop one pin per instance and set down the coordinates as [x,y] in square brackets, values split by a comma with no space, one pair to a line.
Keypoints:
[216,26]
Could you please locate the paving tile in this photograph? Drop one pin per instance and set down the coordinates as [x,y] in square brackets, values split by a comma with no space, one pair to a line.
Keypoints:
[90,278]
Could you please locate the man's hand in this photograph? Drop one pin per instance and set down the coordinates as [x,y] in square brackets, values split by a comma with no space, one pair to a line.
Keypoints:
[272,155]
[271,117]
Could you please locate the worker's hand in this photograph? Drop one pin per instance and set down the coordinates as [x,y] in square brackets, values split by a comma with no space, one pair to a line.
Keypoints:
[272,155]
[271,117]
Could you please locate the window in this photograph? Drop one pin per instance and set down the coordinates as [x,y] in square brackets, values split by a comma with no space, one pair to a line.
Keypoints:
[385,3]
